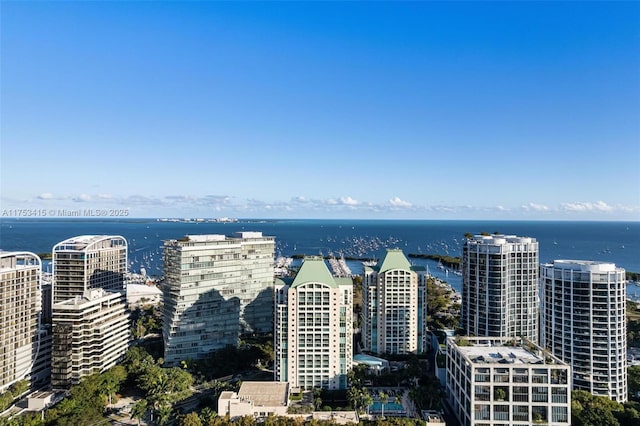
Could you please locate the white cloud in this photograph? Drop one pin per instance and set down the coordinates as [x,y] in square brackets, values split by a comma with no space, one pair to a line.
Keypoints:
[179,198]
[398,202]
[447,209]
[142,200]
[586,207]
[82,198]
[346,206]
[348,201]
[535,207]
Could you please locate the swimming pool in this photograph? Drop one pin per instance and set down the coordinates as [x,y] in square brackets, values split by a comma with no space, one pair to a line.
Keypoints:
[389,407]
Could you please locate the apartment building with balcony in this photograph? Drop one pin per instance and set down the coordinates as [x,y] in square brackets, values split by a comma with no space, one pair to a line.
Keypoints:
[88,261]
[91,335]
[500,286]
[506,382]
[313,328]
[216,288]
[20,308]
[583,322]
[90,324]
[394,306]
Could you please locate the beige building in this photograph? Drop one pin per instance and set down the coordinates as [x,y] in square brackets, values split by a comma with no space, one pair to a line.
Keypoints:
[91,335]
[258,399]
[20,308]
[263,399]
[314,328]
[394,306]
[215,289]
[89,317]
[86,262]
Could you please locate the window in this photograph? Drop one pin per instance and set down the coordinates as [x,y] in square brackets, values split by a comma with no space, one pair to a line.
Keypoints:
[559,414]
[501,412]
[521,413]
[481,412]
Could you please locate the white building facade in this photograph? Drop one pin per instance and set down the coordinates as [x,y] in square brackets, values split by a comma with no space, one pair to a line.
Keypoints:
[215,289]
[257,399]
[20,308]
[506,382]
[583,322]
[500,286]
[86,262]
[90,323]
[394,306]
[314,328]
[91,335]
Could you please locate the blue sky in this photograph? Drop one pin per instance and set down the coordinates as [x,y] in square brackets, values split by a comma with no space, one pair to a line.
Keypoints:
[505,110]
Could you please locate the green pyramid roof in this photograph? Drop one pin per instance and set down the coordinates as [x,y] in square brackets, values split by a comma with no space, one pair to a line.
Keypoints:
[394,259]
[314,269]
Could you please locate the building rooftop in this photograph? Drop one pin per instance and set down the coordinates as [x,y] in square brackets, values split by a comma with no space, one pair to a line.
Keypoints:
[314,270]
[218,238]
[394,259]
[227,395]
[483,350]
[87,242]
[340,417]
[94,295]
[18,260]
[265,394]
[501,239]
[584,265]
[249,235]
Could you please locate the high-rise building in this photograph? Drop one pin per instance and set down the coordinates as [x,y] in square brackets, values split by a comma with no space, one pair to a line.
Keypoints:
[506,381]
[583,322]
[313,328]
[215,289]
[90,325]
[394,306]
[86,262]
[20,306]
[91,334]
[500,286]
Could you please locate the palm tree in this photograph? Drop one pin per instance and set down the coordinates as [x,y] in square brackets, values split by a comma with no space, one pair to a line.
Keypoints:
[164,414]
[398,400]
[367,399]
[139,410]
[384,398]
[354,396]
[207,414]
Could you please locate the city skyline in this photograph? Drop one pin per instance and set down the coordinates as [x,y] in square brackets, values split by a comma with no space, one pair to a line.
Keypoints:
[417,110]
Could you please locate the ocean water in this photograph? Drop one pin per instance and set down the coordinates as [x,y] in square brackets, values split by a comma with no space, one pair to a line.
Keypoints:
[617,242]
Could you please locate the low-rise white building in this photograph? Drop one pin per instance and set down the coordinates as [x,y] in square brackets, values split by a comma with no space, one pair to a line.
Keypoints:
[258,399]
[506,381]
[433,418]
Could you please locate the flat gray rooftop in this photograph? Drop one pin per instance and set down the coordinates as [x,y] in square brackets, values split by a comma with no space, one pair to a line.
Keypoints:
[500,355]
[265,394]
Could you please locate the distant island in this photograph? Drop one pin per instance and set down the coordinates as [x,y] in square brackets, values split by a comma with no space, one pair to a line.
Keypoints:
[446,261]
